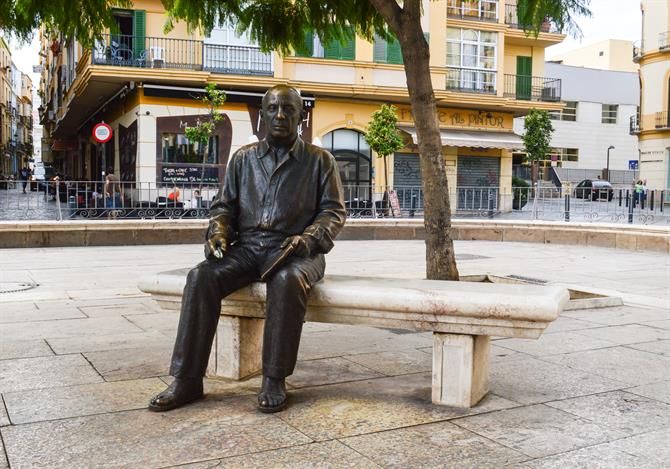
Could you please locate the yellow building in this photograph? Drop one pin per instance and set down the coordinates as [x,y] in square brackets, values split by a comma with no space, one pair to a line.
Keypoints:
[485,71]
[611,54]
[653,123]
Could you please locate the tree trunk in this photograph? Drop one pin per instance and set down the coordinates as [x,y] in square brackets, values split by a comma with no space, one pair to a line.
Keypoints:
[440,258]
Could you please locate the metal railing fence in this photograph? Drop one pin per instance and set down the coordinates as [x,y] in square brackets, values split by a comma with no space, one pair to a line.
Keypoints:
[531,88]
[87,200]
[513,20]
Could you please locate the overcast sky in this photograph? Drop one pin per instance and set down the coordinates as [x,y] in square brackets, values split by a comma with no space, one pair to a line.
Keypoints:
[612,19]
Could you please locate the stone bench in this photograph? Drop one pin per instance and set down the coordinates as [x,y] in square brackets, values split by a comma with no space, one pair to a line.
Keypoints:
[461,315]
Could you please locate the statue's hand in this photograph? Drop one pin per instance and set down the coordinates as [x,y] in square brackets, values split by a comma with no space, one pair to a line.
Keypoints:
[303,246]
[216,244]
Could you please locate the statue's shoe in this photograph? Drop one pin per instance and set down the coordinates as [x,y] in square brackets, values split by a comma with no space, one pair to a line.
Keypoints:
[272,397]
[177,394]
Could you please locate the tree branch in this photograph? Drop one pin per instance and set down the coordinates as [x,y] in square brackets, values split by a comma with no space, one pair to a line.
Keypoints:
[391,12]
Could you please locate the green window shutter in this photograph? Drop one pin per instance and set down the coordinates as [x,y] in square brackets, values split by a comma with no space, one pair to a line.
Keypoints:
[309,45]
[349,47]
[379,50]
[139,32]
[332,50]
[393,52]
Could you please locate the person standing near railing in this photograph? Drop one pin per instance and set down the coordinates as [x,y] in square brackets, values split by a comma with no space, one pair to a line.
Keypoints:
[112,189]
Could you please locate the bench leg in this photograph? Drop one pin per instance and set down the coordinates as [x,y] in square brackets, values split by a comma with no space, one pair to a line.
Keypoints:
[460,369]
[236,352]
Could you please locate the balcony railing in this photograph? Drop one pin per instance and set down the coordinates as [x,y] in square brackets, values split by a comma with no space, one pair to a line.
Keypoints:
[664,41]
[512,19]
[634,125]
[185,54]
[662,120]
[471,80]
[530,88]
[469,10]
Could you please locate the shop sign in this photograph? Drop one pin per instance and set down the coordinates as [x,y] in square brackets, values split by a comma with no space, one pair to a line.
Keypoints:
[466,118]
[102,132]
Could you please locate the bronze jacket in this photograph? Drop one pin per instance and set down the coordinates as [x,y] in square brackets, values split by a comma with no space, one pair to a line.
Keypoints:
[303,195]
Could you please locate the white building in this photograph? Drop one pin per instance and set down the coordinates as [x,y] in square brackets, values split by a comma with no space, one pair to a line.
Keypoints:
[599,105]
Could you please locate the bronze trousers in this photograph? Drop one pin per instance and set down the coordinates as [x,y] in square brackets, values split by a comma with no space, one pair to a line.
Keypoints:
[212,280]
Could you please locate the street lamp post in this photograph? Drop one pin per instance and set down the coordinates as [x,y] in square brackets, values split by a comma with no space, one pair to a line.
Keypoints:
[607,177]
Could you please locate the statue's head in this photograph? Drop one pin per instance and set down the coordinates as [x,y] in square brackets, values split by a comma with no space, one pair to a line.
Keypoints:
[282,112]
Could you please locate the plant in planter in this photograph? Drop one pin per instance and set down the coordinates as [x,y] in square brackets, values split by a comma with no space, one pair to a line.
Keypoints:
[520,191]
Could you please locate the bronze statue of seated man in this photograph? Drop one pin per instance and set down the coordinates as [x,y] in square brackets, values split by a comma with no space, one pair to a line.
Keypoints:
[276,215]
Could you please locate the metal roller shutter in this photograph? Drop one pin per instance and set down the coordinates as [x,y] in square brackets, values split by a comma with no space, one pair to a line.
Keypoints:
[478,182]
[407,181]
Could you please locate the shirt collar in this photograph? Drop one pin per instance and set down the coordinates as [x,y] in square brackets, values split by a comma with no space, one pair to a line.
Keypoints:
[295,151]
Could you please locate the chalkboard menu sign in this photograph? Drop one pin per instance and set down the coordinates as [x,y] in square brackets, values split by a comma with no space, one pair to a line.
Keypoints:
[189,174]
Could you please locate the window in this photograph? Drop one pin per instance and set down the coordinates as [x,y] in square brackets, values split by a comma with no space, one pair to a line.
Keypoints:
[473,9]
[471,60]
[609,113]
[568,113]
[387,52]
[332,50]
[176,148]
[564,154]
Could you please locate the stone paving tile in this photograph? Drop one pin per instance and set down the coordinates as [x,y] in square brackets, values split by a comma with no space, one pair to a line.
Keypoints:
[11,315]
[23,349]
[564,323]
[533,381]
[217,388]
[620,410]
[552,344]
[67,328]
[109,342]
[165,323]
[117,365]
[4,418]
[45,372]
[354,340]
[77,401]
[117,310]
[349,409]
[665,324]
[442,444]
[395,363]
[627,334]
[618,363]
[501,353]
[538,430]
[328,371]
[658,391]
[204,430]
[601,456]
[661,347]
[3,457]
[652,445]
[314,455]
[618,316]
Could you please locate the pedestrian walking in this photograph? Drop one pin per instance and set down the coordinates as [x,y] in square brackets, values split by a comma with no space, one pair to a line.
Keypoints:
[24,174]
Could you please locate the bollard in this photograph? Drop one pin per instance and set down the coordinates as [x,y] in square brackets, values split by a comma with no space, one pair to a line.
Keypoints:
[643,198]
[661,201]
[651,201]
[490,204]
[412,206]
[627,197]
[620,196]
[567,207]
[630,210]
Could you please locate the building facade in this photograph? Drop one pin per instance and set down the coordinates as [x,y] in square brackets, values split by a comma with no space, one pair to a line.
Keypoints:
[612,54]
[16,121]
[652,126]
[485,70]
[596,116]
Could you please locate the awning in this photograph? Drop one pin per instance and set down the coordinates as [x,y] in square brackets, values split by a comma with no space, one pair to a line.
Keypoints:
[474,138]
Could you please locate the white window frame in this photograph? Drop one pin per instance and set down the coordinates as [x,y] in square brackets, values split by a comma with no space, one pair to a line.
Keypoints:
[479,72]
[609,115]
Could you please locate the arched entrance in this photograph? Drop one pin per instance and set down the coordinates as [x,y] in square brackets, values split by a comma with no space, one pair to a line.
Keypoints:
[352,154]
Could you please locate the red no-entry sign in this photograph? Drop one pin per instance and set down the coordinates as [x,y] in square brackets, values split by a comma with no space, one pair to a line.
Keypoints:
[102,132]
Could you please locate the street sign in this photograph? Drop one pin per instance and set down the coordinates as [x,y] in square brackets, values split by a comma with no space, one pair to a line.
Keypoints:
[38,68]
[633,164]
[102,132]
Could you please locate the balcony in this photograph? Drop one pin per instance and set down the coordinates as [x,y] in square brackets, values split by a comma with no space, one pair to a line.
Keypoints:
[662,120]
[529,88]
[512,20]
[485,10]
[634,125]
[664,41]
[471,80]
[183,54]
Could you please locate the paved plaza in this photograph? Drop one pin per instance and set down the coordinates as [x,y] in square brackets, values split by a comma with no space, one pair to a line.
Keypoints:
[82,351]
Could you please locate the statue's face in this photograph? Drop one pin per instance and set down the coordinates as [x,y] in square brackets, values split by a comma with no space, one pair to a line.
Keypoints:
[282,113]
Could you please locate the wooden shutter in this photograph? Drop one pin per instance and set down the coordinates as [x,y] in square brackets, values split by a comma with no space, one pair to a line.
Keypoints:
[379,50]
[309,45]
[349,47]
[139,32]
[393,53]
